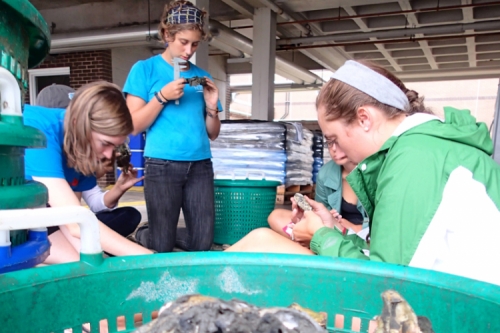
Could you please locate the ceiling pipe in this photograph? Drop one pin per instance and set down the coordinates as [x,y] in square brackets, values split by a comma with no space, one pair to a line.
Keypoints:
[245,45]
[119,37]
[279,87]
[391,13]
[407,32]
[91,38]
[278,10]
[385,41]
[226,48]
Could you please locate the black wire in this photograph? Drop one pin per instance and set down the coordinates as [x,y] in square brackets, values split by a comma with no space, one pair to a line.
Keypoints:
[149,21]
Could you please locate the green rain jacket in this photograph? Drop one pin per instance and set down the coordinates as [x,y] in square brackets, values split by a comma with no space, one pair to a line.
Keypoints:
[432,194]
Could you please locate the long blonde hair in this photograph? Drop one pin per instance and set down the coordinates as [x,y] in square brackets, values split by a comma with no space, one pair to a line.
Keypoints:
[96,107]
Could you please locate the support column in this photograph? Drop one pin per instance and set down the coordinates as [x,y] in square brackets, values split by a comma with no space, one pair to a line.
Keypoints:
[263,63]
[496,128]
[217,68]
[200,58]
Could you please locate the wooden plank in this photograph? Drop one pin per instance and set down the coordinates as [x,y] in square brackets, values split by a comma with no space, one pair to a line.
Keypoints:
[289,191]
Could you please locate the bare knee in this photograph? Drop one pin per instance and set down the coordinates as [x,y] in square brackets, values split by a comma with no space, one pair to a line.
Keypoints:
[61,250]
[278,219]
[259,236]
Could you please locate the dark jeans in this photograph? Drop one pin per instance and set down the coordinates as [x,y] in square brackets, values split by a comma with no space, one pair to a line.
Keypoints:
[123,220]
[170,186]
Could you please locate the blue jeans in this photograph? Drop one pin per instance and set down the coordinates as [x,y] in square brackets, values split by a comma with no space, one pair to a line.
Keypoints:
[170,186]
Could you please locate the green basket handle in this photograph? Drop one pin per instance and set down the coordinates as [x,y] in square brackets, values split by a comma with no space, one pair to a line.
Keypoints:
[246,176]
[224,173]
[256,173]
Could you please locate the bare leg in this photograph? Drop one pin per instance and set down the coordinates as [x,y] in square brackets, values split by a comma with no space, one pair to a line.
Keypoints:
[278,219]
[267,241]
[61,250]
[75,242]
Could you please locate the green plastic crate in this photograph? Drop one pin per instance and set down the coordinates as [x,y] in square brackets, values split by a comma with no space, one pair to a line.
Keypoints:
[241,206]
[55,298]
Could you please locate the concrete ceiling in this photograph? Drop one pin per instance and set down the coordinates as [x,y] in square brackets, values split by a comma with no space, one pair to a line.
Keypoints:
[419,40]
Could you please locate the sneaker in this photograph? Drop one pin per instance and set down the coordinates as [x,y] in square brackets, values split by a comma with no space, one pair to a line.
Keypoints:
[133,236]
[217,247]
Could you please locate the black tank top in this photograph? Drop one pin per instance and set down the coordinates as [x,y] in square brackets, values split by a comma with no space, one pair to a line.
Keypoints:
[351,213]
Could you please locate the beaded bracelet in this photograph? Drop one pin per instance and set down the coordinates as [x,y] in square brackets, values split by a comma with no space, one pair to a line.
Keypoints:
[211,115]
[160,100]
[212,109]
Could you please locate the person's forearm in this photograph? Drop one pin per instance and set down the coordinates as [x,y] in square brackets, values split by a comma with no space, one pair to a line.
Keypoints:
[145,116]
[331,242]
[112,197]
[212,123]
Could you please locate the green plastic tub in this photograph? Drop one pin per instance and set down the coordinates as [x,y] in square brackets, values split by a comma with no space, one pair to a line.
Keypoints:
[241,206]
[55,298]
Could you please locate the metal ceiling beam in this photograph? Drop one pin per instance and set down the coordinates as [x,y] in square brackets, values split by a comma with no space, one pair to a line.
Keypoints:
[227,48]
[241,6]
[324,61]
[412,19]
[283,87]
[306,30]
[245,45]
[362,25]
[471,48]
[393,33]
[450,74]
[390,13]
[329,59]
[332,58]
[404,40]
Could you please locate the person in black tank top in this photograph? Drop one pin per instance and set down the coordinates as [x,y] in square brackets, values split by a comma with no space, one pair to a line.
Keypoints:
[351,213]
[281,239]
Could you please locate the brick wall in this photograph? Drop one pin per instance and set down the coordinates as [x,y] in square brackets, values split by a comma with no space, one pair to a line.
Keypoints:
[85,67]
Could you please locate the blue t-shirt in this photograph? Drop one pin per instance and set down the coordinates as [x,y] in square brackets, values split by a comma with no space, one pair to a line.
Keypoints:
[179,132]
[51,161]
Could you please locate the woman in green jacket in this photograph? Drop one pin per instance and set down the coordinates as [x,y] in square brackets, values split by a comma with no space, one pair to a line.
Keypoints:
[429,185]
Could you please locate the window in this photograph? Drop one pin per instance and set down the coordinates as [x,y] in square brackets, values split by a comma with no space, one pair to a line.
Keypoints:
[41,78]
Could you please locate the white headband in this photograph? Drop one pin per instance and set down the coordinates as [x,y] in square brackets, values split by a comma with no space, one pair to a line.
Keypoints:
[372,83]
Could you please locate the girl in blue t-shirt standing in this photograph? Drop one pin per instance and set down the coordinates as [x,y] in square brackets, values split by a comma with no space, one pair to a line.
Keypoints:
[178,171]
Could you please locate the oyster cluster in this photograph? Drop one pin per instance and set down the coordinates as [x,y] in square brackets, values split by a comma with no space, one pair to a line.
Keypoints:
[123,157]
[201,314]
[196,81]
[302,202]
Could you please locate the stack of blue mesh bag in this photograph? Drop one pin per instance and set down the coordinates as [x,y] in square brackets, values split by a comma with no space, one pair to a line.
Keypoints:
[263,150]
[317,154]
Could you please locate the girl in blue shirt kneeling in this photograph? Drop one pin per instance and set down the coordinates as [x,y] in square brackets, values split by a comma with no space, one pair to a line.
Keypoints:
[180,120]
